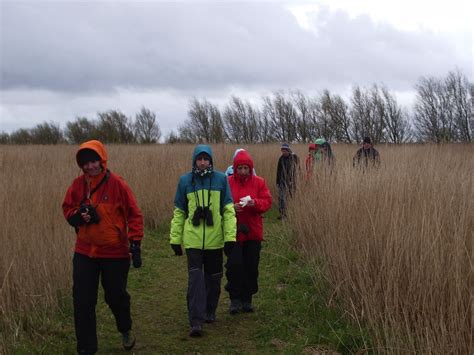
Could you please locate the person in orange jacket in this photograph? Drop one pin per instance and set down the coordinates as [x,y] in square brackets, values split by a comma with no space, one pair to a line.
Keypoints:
[251,198]
[109,226]
[309,163]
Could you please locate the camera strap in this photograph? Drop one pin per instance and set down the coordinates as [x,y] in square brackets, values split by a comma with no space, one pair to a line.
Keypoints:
[102,182]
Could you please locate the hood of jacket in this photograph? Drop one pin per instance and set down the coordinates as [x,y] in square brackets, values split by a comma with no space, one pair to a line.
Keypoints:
[201,148]
[243,158]
[97,147]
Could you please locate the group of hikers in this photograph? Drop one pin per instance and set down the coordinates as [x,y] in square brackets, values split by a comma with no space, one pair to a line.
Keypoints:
[214,213]
[319,152]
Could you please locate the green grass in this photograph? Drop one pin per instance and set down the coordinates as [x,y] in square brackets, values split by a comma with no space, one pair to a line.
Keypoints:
[291,310]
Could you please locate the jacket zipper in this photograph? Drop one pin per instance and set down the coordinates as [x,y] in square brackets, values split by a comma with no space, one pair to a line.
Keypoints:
[203,222]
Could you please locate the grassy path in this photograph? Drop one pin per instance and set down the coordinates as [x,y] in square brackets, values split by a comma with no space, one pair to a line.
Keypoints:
[290,317]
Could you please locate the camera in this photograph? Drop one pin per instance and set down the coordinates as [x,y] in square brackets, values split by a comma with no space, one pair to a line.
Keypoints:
[91,211]
[203,213]
[243,228]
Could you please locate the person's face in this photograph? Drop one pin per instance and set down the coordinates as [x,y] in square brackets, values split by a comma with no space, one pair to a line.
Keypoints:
[203,162]
[243,170]
[366,145]
[92,168]
[285,152]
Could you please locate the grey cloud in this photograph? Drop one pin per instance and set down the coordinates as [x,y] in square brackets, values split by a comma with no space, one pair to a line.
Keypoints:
[89,47]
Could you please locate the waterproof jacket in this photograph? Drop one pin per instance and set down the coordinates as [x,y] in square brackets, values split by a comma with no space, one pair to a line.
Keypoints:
[287,170]
[210,191]
[250,219]
[120,218]
[367,157]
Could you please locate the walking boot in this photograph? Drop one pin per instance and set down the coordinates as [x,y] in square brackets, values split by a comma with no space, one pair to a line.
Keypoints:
[234,306]
[128,340]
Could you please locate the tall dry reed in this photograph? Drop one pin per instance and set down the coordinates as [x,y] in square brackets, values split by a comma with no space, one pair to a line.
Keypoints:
[396,243]
[37,243]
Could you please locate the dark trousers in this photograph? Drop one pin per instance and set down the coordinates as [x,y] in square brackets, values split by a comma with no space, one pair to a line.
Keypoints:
[242,278]
[204,283]
[86,273]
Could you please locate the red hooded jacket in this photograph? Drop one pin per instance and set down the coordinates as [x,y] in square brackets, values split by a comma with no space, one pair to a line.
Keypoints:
[120,218]
[255,187]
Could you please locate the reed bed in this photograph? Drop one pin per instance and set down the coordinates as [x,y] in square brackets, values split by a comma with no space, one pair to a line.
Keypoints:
[395,244]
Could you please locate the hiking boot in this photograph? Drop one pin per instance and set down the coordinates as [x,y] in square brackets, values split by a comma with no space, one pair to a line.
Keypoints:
[210,317]
[196,331]
[86,352]
[128,340]
[247,307]
[234,306]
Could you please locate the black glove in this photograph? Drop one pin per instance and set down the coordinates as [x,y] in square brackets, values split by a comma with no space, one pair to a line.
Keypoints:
[228,246]
[135,250]
[177,249]
[76,219]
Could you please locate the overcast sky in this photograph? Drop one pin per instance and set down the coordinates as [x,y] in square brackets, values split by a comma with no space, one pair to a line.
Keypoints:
[63,59]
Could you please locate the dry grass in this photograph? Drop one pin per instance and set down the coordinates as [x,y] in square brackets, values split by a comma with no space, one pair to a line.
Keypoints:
[396,243]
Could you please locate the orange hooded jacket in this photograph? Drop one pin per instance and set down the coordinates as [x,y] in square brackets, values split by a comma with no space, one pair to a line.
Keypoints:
[120,218]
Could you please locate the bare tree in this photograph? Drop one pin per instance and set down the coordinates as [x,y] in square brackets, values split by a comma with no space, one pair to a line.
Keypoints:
[240,121]
[115,127]
[21,136]
[46,133]
[204,124]
[281,116]
[4,138]
[396,120]
[146,127]
[459,93]
[81,130]
[368,114]
[305,114]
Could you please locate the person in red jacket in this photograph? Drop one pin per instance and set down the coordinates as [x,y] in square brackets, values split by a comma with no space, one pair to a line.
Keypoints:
[251,198]
[109,226]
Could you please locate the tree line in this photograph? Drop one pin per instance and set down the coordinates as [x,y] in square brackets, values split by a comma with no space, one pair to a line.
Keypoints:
[443,112]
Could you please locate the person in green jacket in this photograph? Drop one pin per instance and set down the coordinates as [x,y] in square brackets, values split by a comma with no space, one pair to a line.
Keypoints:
[204,223]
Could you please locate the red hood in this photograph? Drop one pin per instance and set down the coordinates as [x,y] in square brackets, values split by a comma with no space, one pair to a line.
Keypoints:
[243,158]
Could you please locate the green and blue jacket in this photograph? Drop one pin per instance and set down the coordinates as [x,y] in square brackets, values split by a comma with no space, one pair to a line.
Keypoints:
[210,191]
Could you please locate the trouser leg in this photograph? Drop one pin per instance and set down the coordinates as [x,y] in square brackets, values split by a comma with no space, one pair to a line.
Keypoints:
[251,258]
[282,199]
[85,278]
[213,275]
[114,282]
[234,274]
[196,295]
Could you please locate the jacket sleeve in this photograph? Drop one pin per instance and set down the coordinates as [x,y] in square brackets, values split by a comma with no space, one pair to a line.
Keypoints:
[279,171]
[71,208]
[179,214]
[134,215]
[263,201]
[229,221]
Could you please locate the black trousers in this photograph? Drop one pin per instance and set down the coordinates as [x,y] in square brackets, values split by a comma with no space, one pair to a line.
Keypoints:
[113,274]
[242,277]
[204,283]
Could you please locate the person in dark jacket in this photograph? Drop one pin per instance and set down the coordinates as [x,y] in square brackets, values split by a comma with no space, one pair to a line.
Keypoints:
[366,156]
[109,225]
[204,222]
[287,169]
[252,198]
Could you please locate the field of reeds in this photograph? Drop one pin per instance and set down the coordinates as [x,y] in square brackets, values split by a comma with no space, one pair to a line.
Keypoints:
[394,244]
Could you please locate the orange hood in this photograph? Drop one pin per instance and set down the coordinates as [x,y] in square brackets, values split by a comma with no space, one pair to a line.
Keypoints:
[97,147]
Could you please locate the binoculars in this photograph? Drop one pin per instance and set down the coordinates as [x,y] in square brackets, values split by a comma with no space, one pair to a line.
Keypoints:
[91,211]
[203,213]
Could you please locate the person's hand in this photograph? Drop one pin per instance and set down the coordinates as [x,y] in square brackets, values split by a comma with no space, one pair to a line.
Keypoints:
[251,203]
[135,250]
[238,207]
[228,246]
[178,251]
[86,217]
